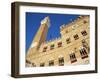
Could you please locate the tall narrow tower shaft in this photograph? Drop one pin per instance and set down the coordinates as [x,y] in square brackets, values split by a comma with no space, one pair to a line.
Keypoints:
[40,36]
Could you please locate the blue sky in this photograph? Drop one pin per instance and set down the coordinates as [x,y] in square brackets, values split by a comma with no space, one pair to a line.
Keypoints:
[56,20]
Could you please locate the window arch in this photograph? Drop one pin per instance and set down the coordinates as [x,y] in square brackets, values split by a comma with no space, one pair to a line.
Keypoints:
[51,63]
[61,61]
[76,36]
[42,64]
[73,58]
[52,47]
[59,44]
[83,53]
[84,33]
[68,40]
[33,65]
[45,49]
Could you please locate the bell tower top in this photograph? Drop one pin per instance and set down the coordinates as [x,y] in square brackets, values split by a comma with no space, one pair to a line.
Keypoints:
[46,20]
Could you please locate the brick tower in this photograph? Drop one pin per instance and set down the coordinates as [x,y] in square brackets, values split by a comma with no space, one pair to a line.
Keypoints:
[39,38]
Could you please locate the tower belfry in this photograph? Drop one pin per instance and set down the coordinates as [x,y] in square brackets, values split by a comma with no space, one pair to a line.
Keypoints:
[40,36]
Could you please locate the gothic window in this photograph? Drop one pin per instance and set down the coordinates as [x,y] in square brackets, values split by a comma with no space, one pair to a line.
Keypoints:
[51,63]
[85,45]
[83,53]
[68,40]
[61,61]
[42,64]
[33,65]
[76,37]
[84,33]
[44,49]
[52,47]
[59,44]
[73,58]
[28,62]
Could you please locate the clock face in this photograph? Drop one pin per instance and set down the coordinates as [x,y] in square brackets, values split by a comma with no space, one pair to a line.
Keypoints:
[34,44]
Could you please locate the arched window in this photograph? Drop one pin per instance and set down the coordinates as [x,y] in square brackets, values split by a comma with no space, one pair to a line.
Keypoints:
[33,65]
[76,36]
[84,33]
[68,40]
[28,62]
[61,61]
[42,64]
[44,49]
[52,47]
[59,44]
[83,53]
[73,58]
[51,63]
[85,45]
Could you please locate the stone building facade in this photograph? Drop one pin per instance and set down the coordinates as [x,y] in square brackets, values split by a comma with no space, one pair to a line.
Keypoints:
[72,48]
